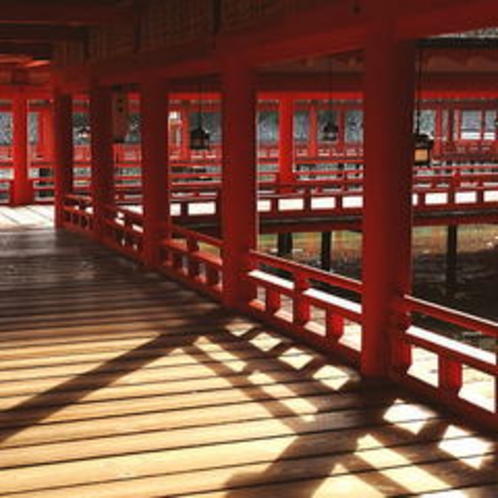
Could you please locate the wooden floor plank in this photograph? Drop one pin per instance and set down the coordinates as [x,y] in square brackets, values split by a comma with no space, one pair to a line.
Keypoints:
[117,383]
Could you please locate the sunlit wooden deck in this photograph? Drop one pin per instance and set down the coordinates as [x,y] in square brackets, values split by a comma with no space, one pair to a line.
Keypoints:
[115,382]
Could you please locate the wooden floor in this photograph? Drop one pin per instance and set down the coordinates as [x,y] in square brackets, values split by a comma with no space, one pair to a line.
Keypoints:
[26,217]
[115,382]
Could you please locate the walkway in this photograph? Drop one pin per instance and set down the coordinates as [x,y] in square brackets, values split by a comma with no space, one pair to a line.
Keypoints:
[115,382]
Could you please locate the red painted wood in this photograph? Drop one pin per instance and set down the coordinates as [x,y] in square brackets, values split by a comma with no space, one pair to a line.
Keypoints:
[102,185]
[22,193]
[387,190]
[239,192]
[286,139]
[185,133]
[45,132]
[63,153]
[313,129]
[155,169]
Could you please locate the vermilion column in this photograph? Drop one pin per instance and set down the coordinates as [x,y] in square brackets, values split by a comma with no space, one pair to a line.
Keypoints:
[63,152]
[239,189]
[313,130]
[286,139]
[389,103]
[102,174]
[155,184]
[22,192]
[185,132]
[45,134]
[450,137]
[438,130]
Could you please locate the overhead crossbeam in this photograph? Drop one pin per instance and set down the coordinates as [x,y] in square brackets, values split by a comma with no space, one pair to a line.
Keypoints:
[39,33]
[73,14]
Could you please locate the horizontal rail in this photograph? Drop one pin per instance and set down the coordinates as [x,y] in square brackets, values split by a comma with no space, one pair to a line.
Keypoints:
[302,300]
[452,357]
[455,317]
[124,230]
[183,257]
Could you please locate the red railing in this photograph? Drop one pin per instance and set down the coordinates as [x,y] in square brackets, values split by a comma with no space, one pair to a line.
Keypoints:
[124,231]
[460,375]
[325,310]
[195,258]
[342,195]
[78,213]
[301,300]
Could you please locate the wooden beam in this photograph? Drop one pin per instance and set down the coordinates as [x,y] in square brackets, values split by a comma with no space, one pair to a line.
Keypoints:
[432,17]
[36,50]
[23,33]
[80,13]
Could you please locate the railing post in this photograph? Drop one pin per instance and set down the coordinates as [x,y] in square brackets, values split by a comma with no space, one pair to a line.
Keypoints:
[239,218]
[192,264]
[450,375]
[102,174]
[389,71]
[155,177]
[334,325]
[300,304]
[63,153]
[401,351]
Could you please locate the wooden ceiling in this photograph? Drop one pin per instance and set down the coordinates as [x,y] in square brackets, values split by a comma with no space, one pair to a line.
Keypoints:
[30,28]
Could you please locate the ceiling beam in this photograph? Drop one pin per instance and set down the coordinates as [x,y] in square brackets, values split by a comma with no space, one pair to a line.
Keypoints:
[30,33]
[35,50]
[75,14]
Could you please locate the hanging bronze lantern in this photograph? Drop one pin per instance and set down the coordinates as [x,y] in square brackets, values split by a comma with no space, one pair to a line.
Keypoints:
[330,131]
[199,138]
[424,144]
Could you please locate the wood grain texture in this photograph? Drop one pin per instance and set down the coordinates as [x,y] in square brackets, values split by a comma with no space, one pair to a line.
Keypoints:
[115,382]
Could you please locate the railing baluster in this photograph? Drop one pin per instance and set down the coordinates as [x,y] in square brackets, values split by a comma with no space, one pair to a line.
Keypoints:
[273,301]
[450,375]
[334,325]
[193,264]
[301,305]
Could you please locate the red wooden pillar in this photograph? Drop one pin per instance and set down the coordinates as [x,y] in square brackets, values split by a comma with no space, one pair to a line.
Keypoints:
[239,188]
[450,137]
[102,174]
[389,105]
[341,135]
[438,130]
[22,192]
[63,152]
[155,177]
[313,130]
[185,131]
[45,134]
[286,139]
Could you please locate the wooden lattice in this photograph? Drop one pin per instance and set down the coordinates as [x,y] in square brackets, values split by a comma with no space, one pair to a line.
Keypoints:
[175,22]
[240,14]
[68,53]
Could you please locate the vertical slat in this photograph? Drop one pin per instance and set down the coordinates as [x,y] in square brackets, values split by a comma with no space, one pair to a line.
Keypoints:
[301,305]
[450,375]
